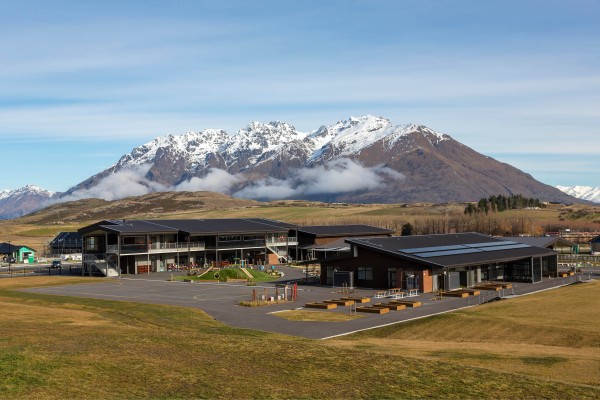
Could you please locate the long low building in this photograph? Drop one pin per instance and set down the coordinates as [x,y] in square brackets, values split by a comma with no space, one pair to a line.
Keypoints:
[432,262]
[143,246]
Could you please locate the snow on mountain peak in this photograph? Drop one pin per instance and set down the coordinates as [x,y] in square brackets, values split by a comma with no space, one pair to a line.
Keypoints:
[27,190]
[582,192]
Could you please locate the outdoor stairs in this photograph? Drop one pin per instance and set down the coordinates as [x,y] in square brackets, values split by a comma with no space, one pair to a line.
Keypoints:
[280,253]
[105,269]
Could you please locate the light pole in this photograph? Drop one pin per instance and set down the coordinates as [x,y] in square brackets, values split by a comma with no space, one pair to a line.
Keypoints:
[442,283]
[9,256]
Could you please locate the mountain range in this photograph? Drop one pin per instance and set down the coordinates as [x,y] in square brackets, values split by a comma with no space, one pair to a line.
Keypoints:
[365,159]
[588,193]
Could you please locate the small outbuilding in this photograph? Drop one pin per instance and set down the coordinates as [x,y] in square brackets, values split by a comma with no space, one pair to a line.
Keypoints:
[18,253]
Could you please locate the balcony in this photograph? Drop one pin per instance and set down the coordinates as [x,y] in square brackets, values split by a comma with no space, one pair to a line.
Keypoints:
[155,247]
[277,242]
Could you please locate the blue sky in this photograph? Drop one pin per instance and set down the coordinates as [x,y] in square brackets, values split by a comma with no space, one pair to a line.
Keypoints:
[82,83]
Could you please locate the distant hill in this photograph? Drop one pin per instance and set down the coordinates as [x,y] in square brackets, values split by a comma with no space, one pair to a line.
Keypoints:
[153,205]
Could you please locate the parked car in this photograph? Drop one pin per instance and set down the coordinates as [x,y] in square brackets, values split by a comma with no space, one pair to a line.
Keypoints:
[56,264]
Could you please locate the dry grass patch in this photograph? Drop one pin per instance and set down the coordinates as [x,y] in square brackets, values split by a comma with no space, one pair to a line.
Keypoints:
[315,316]
[553,335]
[152,351]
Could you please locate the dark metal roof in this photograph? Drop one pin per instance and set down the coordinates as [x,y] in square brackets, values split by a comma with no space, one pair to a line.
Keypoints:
[6,248]
[541,241]
[191,226]
[67,238]
[451,250]
[343,230]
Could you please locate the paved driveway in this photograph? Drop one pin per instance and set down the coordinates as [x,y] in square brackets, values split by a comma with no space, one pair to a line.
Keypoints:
[221,301]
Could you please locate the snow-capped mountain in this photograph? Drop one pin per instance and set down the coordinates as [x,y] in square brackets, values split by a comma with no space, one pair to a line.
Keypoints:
[361,159]
[18,202]
[582,192]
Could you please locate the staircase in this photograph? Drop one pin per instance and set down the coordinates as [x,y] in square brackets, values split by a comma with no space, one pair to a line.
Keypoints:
[280,253]
[106,268]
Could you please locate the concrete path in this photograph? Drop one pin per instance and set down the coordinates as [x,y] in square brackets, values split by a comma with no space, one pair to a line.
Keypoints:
[221,301]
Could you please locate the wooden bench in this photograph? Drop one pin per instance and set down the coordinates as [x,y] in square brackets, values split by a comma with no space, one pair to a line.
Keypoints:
[407,303]
[358,299]
[340,302]
[373,310]
[326,306]
[457,293]
[391,306]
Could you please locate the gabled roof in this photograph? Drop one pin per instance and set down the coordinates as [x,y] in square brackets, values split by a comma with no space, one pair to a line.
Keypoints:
[541,241]
[6,248]
[451,250]
[343,230]
[190,226]
[67,238]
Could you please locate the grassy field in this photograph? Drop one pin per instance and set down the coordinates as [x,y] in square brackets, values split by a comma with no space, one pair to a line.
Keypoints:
[552,335]
[63,347]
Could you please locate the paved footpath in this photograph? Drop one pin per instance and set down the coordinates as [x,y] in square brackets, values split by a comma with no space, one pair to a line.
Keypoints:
[221,301]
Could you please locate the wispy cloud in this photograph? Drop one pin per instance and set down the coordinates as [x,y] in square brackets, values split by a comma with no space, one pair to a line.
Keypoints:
[339,176]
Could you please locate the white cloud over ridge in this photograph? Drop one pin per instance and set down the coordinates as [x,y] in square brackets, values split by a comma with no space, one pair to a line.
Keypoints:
[338,176]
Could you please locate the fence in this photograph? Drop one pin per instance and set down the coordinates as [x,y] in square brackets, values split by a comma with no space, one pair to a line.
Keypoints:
[19,272]
[517,289]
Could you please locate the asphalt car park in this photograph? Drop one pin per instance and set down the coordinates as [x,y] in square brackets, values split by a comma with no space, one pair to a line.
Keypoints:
[221,301]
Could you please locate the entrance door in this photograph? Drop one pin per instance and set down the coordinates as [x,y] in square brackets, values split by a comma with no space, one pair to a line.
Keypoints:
[392,281]
[412,280]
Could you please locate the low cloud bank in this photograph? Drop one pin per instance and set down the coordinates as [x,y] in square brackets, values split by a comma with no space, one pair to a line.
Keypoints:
[338,176]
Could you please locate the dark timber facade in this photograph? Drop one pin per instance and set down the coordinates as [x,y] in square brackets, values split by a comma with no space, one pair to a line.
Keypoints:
[144,246]
[432,262]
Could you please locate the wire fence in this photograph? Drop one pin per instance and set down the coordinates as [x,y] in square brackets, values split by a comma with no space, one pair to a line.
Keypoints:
[20,271]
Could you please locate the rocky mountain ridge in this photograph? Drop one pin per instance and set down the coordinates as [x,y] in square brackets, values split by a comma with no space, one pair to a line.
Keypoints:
[21,201]
[588,193]
[361,159]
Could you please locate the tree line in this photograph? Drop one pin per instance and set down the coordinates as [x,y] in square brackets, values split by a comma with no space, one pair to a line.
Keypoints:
[501,203]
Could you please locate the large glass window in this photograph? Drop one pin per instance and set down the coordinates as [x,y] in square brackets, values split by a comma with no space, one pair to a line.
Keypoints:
[230,238]
[365,274]
[91,243]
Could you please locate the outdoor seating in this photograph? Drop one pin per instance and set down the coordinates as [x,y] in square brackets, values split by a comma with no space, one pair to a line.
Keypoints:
[391,306]
[340,302]
[326,306]
[407,303]
[373,310]
[358,299]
